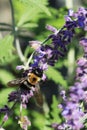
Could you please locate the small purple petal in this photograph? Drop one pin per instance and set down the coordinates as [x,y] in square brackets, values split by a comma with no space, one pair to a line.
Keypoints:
[19,67]
[35,44]
[5,118]
[70,12]
[51,28]
[67,18]
[83,42]
[24,105]
[81,61]
[43,77]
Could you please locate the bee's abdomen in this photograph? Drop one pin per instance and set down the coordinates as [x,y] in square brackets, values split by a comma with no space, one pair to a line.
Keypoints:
[38,98]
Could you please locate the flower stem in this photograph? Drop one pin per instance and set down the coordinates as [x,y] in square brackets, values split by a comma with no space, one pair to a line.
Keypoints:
[20,54]
[46,40]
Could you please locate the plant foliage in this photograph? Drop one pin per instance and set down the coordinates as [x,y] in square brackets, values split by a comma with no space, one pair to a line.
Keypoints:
[6,47]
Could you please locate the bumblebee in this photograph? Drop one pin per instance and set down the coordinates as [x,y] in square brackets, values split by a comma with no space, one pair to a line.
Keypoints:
[28,80]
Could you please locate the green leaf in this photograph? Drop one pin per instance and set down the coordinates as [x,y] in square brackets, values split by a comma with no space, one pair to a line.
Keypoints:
[4,95]
[29,10]
[56,76]
[27,16]
[5,76]
[38,3]
[55,111]
[6,47]
[29,25]
[38,120]
[53,115]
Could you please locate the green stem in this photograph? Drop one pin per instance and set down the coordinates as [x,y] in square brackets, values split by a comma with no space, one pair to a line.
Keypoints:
[29,60]
[5,29]
[16,40]
[5,24]
[21,56]
[21,109]
[45,40]
[13,19]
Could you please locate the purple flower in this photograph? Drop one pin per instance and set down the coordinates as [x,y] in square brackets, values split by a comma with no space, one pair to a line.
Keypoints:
[80,21]
[25,97]
[5,118]
[83,42]
[77,125]
[46,55]
[24,105]
[62,93]
[82,11]
[55,125]
[24,122]
[85,96]
[19,67]
[85,22]
[14,96]
[70,12]
[79,18]
[44,77]
[82,62]
[51,28]
[35,44]
[5,109]
[67,18]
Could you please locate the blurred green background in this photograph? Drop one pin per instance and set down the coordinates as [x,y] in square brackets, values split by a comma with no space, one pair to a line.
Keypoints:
[31,17]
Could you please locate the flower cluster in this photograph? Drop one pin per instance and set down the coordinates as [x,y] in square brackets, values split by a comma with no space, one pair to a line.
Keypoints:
[49,54]
[74,108]
[43,56]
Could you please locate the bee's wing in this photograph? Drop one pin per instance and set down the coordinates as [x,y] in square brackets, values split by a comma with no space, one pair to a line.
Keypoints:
[38,96]
[16,82]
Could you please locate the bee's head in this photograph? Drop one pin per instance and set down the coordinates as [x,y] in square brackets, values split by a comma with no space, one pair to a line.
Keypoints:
[37,71]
